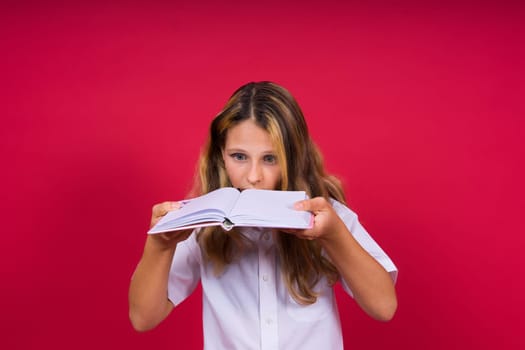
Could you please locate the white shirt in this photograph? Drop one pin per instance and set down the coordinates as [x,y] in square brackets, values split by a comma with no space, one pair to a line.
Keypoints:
[248,305]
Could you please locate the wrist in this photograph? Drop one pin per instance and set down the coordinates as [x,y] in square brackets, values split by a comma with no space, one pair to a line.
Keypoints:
[157,244]
[334,236]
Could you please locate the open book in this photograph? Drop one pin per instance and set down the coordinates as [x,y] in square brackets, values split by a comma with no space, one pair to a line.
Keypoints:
[229,207]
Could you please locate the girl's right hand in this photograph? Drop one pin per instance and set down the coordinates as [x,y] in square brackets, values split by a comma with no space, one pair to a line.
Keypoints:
[167,240]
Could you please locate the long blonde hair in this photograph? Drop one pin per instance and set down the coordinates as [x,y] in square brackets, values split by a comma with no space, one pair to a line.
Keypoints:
[275,110]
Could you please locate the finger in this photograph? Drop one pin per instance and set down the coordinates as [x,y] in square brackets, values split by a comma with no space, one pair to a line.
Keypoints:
[302,234]
[290,231]
[313,205]
[174,236]
[169,235]
[163,208]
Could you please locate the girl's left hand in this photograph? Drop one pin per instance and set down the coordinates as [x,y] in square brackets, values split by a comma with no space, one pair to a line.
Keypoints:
[326,221]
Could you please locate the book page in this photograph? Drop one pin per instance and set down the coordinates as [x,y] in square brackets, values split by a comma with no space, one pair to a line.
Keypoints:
[221,200]
[213,206]
[270,209]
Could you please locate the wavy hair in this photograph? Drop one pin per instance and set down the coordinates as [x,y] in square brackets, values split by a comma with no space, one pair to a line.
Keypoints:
[275,110]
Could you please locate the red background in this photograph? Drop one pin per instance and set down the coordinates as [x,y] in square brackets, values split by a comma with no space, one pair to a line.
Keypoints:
[417,106]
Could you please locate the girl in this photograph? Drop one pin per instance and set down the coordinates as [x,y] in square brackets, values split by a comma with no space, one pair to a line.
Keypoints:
[265,289]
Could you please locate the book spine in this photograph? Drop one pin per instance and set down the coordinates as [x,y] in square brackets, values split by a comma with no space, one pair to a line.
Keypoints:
[227,224]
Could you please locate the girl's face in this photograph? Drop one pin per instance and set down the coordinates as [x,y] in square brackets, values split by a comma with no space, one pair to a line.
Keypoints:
[250,158]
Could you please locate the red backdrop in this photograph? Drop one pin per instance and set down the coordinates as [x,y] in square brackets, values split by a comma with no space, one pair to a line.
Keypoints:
[418,107]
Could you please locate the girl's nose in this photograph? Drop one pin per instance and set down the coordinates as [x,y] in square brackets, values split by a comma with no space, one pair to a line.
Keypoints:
[255,174]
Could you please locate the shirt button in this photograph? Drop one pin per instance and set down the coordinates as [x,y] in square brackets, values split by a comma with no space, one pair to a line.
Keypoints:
[265,278]
[269,321]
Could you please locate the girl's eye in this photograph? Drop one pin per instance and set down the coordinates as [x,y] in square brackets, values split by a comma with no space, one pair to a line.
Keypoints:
[270,158]
[238,156]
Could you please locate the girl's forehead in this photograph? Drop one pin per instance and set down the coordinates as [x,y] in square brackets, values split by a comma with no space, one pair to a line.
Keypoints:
[248,134]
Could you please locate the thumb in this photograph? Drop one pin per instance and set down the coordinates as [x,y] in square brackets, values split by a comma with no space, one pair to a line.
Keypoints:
[314,204]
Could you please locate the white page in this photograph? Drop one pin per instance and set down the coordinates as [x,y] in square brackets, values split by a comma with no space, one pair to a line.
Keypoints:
[222,199]
[270,208]
[214,205]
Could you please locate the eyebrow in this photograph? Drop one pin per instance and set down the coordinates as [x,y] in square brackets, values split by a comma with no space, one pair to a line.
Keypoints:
[235,149]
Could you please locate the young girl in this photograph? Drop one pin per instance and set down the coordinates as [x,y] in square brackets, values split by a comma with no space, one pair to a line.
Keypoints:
[265,289]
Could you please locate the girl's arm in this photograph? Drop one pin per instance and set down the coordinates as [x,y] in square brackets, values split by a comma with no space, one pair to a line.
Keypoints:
[148,291]
[371,285]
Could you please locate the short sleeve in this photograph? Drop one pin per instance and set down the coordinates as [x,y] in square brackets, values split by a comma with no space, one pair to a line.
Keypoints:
[365,240]
[185,270]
